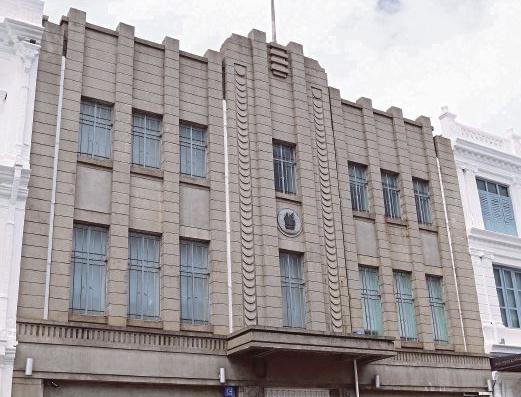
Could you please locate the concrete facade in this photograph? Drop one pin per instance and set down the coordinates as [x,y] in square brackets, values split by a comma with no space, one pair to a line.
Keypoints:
[20,36]
[247,95]
[496,158]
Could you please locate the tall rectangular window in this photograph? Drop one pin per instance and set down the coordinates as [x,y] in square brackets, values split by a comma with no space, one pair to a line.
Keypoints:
[292,277]
[421,197]
[391,192]
[437,307]
[143,264]
[194,282]
[284,165]
[89,267]
[358,184]
[193,150]
[405,305]
[496,207]
[508,287]
[95,129]
[371,304]
[146,140]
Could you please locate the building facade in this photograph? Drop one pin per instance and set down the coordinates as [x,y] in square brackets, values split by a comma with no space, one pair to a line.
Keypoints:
[230,220]
[20,35]
[488,168]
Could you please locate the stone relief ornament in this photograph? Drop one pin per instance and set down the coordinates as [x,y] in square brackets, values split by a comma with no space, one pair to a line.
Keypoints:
[289,222]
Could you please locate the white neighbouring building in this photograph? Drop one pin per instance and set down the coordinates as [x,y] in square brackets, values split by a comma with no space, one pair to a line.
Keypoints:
[20,36]
[489,173]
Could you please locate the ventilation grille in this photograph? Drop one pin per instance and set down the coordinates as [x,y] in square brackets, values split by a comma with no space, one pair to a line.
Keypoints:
[279,61]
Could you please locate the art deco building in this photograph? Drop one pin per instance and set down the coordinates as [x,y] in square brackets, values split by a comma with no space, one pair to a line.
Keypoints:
[488,167]
[230,220]
[20,35]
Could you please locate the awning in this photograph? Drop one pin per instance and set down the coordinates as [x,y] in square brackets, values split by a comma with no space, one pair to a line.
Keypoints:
[508,363]
[262,341]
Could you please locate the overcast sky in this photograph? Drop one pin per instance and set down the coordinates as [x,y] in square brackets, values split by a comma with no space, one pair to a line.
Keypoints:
[415,54]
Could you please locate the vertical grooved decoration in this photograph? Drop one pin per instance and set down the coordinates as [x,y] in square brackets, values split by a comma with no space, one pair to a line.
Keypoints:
[245,198]
[326,201]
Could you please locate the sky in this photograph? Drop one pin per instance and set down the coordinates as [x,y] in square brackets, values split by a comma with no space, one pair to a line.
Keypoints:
[418,55]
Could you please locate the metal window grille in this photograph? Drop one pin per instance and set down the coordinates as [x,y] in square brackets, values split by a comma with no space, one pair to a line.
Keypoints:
[292,280]
[358,184]
[437,308]
[194,282]
[508,288]
[146,140]
[95,129]
[421,197]
[391,193]
[89,269]
[193,150]
[143,263]
[405,305]
[284,166]
[496,207]
[371,303]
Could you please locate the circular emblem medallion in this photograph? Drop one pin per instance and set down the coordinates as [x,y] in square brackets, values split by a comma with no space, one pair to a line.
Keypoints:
[289,222]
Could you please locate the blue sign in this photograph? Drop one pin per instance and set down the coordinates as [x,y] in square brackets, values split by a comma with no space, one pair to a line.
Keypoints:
[229,391]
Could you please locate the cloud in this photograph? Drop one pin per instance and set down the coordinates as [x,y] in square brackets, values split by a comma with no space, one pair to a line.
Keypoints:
[418,55]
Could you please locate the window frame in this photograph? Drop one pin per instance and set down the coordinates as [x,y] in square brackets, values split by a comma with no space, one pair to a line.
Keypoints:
[372,325]
[188,143]
[358,186]
[85,272]
[422,201]
[403,302]
[202,273]
[506,308]
[492,223]
[147,134]
[290,165]
[391,194]
[290,283]
[139,268]
[437,301]
[96,125]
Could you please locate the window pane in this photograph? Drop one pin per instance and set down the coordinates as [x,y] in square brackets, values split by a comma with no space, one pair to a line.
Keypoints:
[146,136]
[496,207]
[95,129]
[508,288]
[358,185]
[405,305]
[421,197]
[194,282]
[193,150]
[292,283]
[391,194]
[371,305]
[89,268]
[437,308]
[284,168]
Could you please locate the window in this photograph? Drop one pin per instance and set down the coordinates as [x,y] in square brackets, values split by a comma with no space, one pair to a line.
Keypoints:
[95,129]
[496,207]
[437,307]
[405,305]
[284,168]
[194,282]
[421,197]
[358,183]
[508,287]
[146,140]
[371,305]
[292,290]
[89,267]
[391,193]
[143,264]
[193,150]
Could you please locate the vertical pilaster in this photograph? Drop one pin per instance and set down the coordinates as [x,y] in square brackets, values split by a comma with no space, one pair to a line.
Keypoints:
[117,272]
[170,274]
[66,177]
[389,316]
[464,271]
[268,275]
[420,293]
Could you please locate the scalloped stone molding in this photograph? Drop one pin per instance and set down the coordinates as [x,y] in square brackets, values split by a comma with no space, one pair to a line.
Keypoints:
[245,197]
[326,201]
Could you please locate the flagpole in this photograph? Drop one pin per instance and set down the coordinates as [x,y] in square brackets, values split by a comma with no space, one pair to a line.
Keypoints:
[273,27]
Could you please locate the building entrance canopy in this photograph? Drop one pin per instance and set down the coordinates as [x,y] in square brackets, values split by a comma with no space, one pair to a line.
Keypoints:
[508,363]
